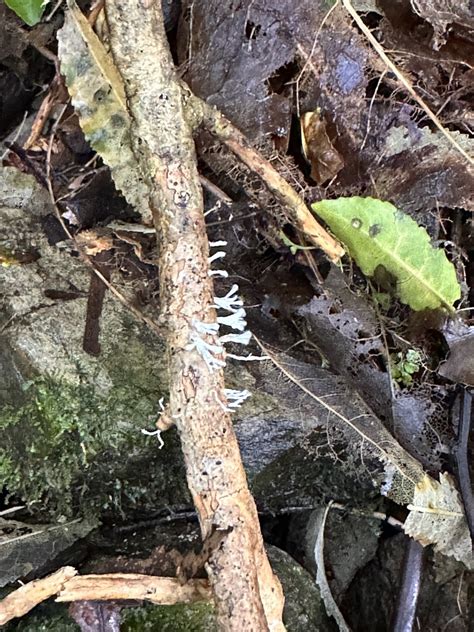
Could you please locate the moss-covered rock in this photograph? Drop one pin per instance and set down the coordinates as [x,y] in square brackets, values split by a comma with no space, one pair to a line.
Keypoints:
[198,617]
[76,450]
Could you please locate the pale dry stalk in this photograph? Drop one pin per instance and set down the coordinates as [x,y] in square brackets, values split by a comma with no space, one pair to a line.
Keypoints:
[247,594]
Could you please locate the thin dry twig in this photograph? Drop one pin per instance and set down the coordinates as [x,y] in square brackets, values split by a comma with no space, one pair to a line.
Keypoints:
[321,579]
[404,81]
[297,211]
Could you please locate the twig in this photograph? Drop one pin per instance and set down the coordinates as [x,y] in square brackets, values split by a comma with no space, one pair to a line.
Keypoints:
[412,569]
[165,591]
[321,579]
[403,80]
[44,111]
[11,510]
[247,594]
[24,599]
[462,459]
[295,208]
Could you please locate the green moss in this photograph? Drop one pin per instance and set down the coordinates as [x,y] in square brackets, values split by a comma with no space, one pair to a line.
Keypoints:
[198,617]
[67,447]
[51,617]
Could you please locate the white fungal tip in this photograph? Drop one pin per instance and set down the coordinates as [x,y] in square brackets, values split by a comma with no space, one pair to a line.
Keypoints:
[240,339]
[207,351]
[230,302]
[236,320]
[236,398]
[154,433]
[217,244]
[215,256]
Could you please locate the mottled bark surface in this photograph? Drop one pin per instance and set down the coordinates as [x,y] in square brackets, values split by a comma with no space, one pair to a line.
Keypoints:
[247,594]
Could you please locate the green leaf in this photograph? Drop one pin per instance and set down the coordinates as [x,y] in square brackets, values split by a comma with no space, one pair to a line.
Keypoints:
[379,236]
[30,11]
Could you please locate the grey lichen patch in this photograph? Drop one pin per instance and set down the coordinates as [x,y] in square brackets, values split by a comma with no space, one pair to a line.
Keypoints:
[21,191]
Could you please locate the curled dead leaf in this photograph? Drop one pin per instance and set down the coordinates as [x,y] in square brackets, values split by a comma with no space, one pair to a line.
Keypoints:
[325,160]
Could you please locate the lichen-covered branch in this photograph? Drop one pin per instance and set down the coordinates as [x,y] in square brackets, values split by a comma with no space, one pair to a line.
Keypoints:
[247,594]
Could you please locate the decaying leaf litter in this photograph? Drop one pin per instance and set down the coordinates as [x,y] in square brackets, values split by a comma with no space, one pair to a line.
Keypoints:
[276,64]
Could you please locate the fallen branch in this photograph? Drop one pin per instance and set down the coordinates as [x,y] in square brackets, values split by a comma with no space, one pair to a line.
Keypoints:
[24,599]
[68,586]
[247,594]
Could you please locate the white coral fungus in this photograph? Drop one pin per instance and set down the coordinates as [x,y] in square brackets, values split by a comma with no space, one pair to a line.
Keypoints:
[222,273]
[215,256]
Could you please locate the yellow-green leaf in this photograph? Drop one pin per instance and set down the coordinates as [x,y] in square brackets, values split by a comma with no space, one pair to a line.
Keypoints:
[379,236]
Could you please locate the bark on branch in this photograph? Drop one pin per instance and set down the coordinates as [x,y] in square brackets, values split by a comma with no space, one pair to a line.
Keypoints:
[247,594]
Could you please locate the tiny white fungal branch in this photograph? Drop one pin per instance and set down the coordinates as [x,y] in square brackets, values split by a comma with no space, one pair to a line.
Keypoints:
[240,339]
[236,398]
[157,433]
[207,351]
[217,244]
[236,320]
[222,273]
[215,256]
[230,302]
[209,329]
